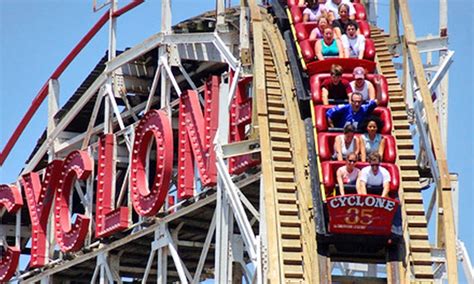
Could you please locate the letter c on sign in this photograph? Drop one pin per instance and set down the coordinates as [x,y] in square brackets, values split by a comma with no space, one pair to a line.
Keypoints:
[10,198]
[70,237]
[334,203]
[351,201]
[148,199]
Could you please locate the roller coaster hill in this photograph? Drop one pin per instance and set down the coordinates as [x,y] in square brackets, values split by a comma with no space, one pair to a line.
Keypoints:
[204,152]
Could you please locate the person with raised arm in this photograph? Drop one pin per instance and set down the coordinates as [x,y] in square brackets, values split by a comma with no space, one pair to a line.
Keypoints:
[353,113]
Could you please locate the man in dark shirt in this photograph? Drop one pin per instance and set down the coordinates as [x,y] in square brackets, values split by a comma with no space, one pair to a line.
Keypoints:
[335,88]
[353,113]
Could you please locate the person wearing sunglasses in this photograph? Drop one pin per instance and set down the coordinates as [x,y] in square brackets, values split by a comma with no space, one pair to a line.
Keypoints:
[374,176]
[347,175]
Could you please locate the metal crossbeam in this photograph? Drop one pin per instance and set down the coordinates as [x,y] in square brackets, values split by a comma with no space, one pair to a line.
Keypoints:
[442,70]
[238,209]
[65,264]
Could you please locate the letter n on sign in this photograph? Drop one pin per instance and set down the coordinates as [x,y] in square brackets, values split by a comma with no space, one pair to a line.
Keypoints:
[196,134]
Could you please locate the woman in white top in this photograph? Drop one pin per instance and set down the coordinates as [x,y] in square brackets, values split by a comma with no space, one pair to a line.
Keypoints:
[314,10]
[362,86]
[346,143]
[347,174]
[371,141]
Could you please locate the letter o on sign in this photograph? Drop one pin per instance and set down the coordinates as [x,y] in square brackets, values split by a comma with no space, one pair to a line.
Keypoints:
[148,199]
[370,201]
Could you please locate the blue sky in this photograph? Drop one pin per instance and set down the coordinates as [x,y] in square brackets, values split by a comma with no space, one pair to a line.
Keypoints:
[37,35]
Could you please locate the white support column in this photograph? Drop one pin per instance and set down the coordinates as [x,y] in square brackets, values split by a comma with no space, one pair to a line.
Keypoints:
[166,16]
[373,10]
[443,87]
[165,244]
[107,120]
[222,235]
[244,35]
[220,11]
[159,244]
[162,264]
[222,135]
[205,249]
[154,86]
[112,31]
[102,270]
[165,91]
[455,198]
[445,60]
[466,261]
[53,107]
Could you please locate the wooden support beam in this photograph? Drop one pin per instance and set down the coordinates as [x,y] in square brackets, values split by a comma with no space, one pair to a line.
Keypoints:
[446,231]
[394,21]
[296,129]
[274,271]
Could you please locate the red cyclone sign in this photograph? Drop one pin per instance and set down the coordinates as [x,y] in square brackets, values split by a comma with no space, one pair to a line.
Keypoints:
[361,214]
[197,129]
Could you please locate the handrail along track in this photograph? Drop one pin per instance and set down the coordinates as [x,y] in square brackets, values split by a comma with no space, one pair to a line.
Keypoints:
[415,225]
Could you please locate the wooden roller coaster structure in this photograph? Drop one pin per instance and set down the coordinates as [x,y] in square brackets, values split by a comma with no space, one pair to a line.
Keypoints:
[188,157]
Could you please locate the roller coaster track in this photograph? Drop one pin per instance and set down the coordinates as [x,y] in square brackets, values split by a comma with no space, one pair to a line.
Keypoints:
[415,224]
[290,231]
